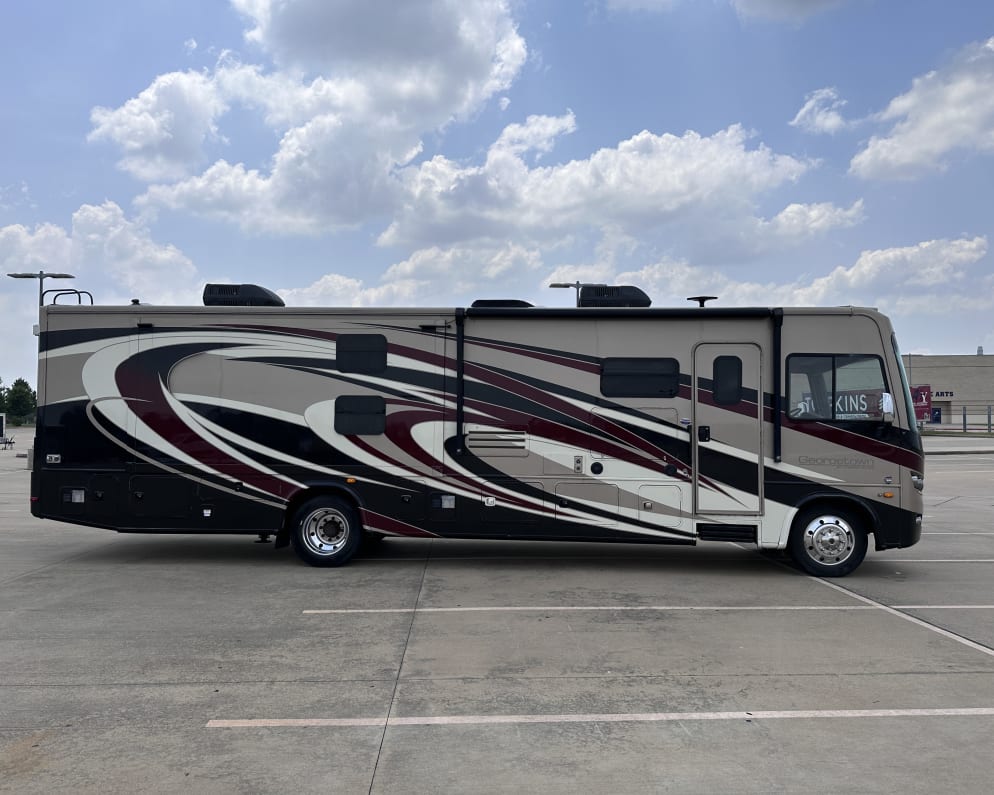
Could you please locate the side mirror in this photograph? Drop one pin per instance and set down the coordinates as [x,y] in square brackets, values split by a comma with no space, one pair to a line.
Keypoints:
[887,407]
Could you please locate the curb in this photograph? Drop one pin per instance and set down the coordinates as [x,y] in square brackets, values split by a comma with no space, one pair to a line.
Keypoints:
[959,452]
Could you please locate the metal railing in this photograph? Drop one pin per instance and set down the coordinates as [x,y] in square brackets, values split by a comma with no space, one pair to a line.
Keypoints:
[965,417]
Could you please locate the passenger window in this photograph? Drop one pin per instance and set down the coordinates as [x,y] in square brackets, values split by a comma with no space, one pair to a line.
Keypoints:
[361,353]
[727,380]
[841,387]
[643,377]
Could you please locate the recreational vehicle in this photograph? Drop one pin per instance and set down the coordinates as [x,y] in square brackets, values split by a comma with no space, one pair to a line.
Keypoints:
[784,428]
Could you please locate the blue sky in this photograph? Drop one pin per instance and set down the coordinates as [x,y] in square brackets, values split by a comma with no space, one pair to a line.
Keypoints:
[789,152]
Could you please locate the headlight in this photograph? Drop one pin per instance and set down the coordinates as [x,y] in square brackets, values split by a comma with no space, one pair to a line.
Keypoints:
[918,480]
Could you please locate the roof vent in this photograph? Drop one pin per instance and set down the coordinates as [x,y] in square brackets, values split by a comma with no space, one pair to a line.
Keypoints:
[240,295]
[612,295]
[501,302]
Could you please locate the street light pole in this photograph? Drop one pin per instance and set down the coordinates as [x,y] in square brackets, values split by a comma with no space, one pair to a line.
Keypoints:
[575,285]
[41,276]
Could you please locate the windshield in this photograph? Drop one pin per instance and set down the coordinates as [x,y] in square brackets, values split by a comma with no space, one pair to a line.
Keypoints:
[909,404]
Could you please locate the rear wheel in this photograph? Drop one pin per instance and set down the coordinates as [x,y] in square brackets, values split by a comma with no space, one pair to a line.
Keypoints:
[827,542]
[325,531]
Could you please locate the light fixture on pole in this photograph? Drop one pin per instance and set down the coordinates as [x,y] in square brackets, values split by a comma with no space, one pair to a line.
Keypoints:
[575,285]
[41,276]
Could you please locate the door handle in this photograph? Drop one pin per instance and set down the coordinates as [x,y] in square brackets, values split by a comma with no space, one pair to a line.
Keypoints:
[704,433]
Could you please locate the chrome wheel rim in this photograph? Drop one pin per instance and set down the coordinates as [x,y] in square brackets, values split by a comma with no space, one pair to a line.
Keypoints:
[829,540]
[325,531]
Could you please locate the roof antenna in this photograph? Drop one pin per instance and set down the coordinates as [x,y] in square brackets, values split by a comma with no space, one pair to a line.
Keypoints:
[702,299]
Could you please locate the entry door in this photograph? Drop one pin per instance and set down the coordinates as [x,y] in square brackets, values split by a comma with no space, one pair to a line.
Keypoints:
[727,429]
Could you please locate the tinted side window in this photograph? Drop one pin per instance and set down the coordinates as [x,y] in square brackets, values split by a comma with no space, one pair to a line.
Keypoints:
[727,380]
[360,415]
[835,386]
[362,353]
[643,377]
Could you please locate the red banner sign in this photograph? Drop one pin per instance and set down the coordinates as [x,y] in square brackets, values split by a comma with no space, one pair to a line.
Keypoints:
[922,397]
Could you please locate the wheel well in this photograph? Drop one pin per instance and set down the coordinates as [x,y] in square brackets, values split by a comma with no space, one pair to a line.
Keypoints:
[302,496]
[857,507]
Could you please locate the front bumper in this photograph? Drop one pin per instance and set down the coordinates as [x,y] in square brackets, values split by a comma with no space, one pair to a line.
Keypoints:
[898,531]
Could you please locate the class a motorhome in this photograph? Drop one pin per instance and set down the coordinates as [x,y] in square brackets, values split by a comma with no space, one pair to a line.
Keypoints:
[784,428]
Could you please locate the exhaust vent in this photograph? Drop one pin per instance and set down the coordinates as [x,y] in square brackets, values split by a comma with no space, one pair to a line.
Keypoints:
[240,295]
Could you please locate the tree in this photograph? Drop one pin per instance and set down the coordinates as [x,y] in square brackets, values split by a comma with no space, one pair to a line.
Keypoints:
[3,397]
[21,399]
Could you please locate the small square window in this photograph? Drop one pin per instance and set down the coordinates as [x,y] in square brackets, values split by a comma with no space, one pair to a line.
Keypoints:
[360,415]
[361,353]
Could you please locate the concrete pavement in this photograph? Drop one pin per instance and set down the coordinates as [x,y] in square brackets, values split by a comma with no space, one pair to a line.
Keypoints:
[213,664]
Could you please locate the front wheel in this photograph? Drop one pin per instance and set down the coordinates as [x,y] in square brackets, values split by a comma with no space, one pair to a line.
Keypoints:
[828,543]
[325,531]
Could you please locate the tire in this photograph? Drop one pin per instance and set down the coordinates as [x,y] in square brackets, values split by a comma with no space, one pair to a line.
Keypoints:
[326,531]
[828,542]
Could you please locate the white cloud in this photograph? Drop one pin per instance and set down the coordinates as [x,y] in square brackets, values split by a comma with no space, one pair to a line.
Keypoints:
[326,175]
[647,181]
[783,9]
[47,247]
[464,270]
[538,133]
[103,246]
[334,289]
[420,53]
[423,62]
[161,132]
[804,220]
[947,110]
[925,278]
[112,257]
[641,5]
[16,196]
[109,246]
[820,113]
[770,9]
[430,277]
[360,84]
[286,99]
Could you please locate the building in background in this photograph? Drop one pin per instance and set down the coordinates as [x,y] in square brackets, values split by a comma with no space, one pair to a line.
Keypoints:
[945,385]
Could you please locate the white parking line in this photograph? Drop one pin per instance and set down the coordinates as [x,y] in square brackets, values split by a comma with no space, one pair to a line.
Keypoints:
[644,608]
[607,717]
[911,619]
[581,608]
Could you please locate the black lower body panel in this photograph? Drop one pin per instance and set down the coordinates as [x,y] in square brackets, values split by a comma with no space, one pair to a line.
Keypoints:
[898,529]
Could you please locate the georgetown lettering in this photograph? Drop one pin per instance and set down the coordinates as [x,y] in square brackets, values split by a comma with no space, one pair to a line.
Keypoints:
[838,463]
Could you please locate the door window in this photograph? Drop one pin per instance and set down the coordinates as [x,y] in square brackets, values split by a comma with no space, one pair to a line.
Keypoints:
[727,380]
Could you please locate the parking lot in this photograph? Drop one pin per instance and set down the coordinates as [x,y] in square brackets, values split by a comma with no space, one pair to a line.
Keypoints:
[197,664]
